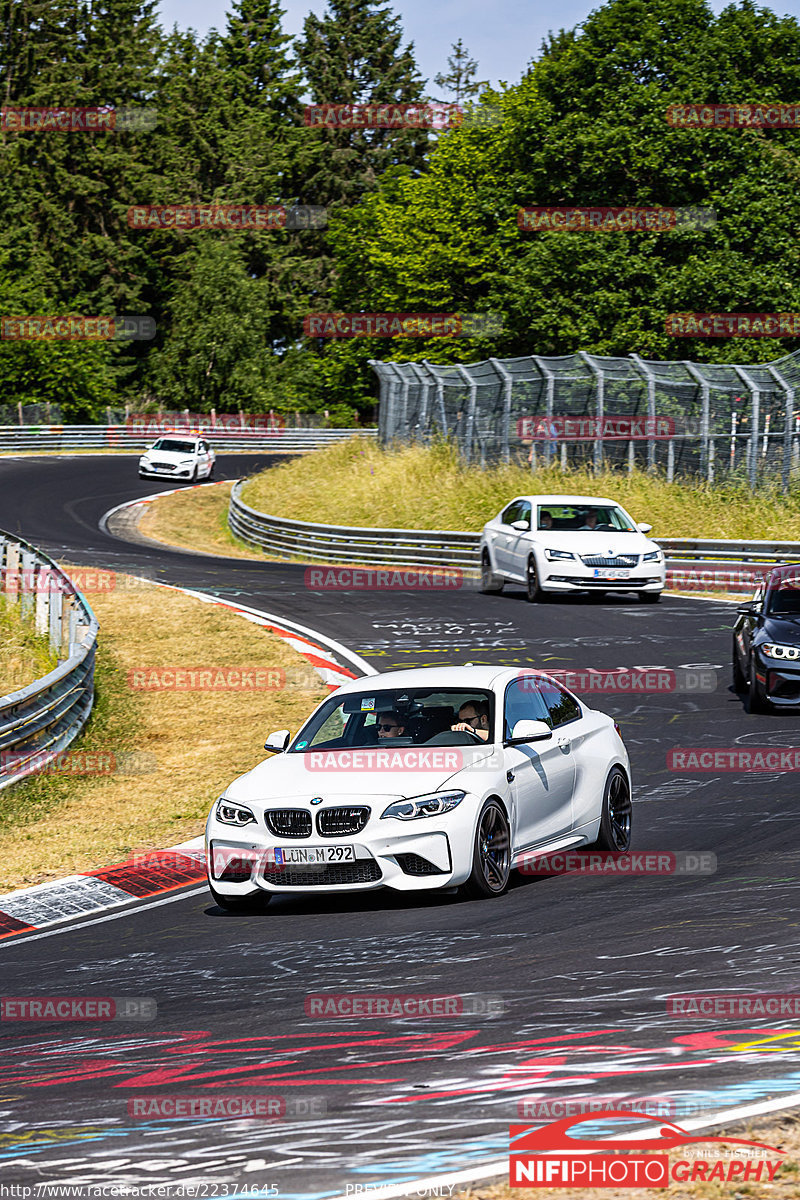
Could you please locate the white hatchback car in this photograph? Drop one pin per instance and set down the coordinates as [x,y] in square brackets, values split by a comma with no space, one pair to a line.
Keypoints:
[178,456]
[560,544]
[378,790]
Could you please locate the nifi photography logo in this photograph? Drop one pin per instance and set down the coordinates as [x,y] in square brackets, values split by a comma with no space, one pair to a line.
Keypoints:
[551,1156]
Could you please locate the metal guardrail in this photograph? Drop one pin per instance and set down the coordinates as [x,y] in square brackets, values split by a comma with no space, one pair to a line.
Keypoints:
[40,720]
[445,548]
[290,440]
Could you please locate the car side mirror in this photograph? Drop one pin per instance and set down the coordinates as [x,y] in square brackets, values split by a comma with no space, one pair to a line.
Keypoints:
[521,526]
[277,742]
[529,731]
[643,527]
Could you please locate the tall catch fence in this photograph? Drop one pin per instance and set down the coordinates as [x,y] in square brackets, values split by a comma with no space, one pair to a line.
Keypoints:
[708,420]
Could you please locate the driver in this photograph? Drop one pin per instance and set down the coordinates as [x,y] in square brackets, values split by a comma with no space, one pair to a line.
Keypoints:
[473,717]
[388,725]
[590,520]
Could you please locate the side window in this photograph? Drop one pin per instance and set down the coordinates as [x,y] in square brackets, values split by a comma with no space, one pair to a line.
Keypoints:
[511,514]
[524,512]
[561,707]
[204,447]
[523,702]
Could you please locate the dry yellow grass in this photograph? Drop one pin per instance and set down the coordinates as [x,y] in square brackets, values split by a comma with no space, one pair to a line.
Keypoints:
[357,483]
[197,741]
[783,1133]
[23,656]
[196,519]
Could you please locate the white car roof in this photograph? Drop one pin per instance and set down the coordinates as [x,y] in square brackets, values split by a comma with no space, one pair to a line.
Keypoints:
[485,677]
[541,499]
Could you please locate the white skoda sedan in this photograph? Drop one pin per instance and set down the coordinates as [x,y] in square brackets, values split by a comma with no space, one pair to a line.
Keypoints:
[420,780]
[560,544]
[178,456]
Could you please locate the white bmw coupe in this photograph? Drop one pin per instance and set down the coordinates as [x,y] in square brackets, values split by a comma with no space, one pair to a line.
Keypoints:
[419,780]
[560,544]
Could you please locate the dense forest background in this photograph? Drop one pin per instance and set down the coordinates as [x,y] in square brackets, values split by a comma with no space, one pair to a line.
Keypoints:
[417,221]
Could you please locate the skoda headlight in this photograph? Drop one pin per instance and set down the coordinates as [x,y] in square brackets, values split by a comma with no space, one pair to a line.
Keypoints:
[431,805]
[773,650]
[230,813]
[653,556]
[553,554]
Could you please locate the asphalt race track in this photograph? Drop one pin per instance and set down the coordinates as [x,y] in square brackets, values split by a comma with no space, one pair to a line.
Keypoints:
[582,965]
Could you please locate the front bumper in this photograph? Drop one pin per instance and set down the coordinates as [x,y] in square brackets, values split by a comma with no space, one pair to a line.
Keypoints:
[781,682]
[566,578]
[387,854]
[151,472]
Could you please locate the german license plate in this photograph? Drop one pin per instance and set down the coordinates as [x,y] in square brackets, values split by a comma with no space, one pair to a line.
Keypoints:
[600,574]
[291,855]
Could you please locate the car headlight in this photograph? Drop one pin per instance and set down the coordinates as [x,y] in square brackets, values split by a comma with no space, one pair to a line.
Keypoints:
[552,554]
[233,814]
[774,650]
[186,462]
[653,556]
[431,805]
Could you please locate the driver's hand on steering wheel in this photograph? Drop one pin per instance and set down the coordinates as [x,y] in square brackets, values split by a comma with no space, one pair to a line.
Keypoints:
[465,727]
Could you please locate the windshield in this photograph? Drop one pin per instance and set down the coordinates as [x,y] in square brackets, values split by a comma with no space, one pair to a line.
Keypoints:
[783,598]
[176,447]
[398,717]
[606,518]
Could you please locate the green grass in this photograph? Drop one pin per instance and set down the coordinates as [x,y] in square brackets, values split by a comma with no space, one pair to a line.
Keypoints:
[24,655]
[415,487]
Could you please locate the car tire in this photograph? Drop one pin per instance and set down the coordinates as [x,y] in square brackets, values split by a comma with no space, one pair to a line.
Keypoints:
[757,702]
[195,475]
[489,581]
[491,854]
[616,816]
[533,589]
[242,904]
[650,597]
[211,472]
[738,677]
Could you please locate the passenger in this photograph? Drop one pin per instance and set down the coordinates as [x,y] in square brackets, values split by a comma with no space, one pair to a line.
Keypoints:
[388,725]
[473,717]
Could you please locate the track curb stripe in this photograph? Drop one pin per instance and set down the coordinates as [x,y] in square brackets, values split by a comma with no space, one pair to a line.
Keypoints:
[91,892]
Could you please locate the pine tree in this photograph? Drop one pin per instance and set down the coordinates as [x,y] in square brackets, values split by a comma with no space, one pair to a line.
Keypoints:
[460,80]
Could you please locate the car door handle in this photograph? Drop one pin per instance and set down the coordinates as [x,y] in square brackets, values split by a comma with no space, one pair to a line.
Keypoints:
[510,776]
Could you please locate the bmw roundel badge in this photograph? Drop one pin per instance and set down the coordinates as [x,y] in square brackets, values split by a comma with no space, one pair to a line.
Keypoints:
[317,800]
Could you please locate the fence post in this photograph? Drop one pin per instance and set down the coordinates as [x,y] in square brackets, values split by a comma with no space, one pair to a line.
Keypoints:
[705,419]
[752,445]
[508,383]
[642,366]
[470,428]
[550,444]
[600,407]
[437,379]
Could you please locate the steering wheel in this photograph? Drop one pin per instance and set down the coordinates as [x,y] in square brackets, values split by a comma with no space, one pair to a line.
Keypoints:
[455,737]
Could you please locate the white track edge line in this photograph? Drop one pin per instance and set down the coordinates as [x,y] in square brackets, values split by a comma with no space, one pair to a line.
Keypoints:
[144,906]
[500,1167]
